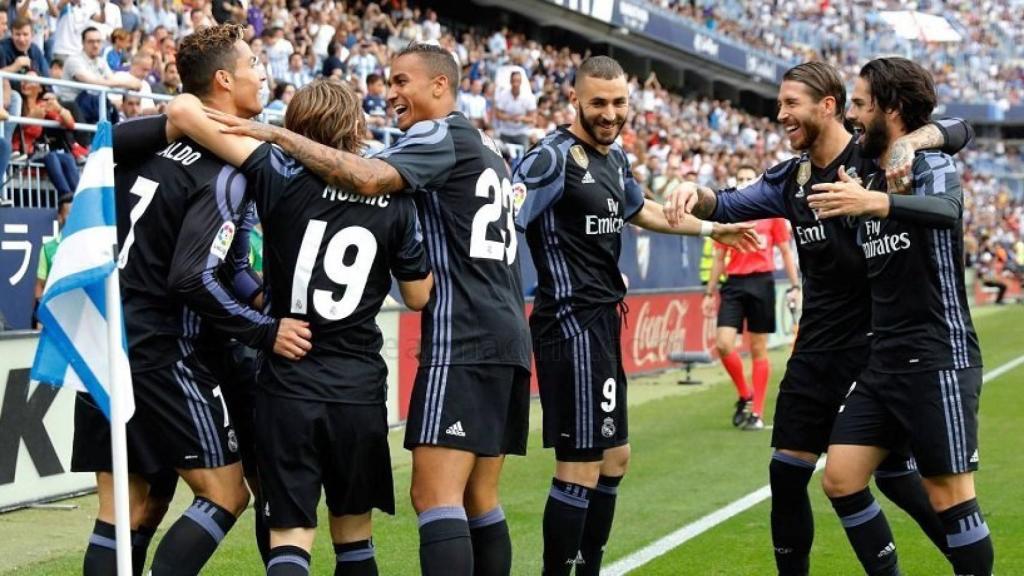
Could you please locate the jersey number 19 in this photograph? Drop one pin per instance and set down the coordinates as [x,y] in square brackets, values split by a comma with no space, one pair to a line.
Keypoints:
[352,276]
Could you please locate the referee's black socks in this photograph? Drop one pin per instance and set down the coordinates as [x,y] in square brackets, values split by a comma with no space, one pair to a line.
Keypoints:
[598,526]
[191,540]
[564,518]
[445,545]
[355,559]
[904,489]
[492,546]
[869,532]
[970,547]
[792,521]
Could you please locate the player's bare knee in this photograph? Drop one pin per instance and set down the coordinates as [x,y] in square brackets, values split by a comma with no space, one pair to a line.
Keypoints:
[837,485]
[616,461]
[725,347]
[947,491]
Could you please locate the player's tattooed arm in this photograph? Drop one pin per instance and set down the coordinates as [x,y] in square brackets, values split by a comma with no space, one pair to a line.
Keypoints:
[366,176]
[949,135]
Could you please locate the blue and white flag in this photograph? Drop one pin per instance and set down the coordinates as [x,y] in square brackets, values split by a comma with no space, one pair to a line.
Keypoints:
[73,347]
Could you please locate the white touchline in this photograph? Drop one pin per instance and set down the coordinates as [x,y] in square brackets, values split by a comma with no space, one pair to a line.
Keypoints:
[694,529]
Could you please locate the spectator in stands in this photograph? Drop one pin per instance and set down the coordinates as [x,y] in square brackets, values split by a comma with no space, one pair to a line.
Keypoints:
[473,104]
[278,50]
[225,11]
[131,107]
[118,52]
[431,28]
[283,93]
[297,74]
[73,20]
[106,18]
[170,81]
[51,145]
[141,64]
[514,109]
[91,68]
[49,249]
[154,14]
[19,53]
[131,20]
[363,60]
[990,268]
[375,106]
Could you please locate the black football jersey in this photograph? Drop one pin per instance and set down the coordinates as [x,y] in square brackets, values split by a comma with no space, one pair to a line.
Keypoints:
[836,296]
[576,201]
[920,313]
[464,197]
[328,259]
[177,214]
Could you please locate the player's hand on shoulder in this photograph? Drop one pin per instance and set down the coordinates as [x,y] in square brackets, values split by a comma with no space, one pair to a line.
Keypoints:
[293,338]
[740,236]
[899,172]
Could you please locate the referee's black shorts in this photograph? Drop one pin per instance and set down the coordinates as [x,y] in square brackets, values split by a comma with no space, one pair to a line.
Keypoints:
[750,297]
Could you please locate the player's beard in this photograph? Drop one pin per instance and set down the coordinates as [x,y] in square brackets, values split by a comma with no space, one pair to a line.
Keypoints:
[811,130]
[875,139]
[590,127]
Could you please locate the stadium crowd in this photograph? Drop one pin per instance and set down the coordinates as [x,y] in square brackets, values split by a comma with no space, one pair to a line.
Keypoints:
[984,66]
[513,87]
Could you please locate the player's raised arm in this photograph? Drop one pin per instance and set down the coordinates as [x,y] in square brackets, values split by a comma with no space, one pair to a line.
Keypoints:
[366,176]
[185,113]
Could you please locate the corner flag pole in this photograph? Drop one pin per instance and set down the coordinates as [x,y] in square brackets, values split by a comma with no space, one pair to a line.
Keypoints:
[118,434]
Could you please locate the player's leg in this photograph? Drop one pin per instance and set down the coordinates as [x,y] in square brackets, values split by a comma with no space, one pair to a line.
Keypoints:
[147,517]
[760,373]
[353,545]
[492,545]
[730,323]
[601,511]
[101,553]
[565,513]
[792,521]
[942,411]
[439,477]
[864,425]
[897,477]
[290,551]
[192,429]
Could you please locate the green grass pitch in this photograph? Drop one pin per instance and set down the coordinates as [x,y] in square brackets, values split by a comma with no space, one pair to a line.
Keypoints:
[688,461]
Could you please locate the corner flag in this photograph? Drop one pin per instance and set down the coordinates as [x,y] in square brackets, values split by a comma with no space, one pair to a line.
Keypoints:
[73,347]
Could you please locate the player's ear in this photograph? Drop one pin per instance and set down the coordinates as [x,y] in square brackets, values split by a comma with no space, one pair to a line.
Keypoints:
[440,85]
[223,79]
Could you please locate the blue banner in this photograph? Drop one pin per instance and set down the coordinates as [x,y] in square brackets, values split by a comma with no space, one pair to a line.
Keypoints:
[22,233]
[675,31]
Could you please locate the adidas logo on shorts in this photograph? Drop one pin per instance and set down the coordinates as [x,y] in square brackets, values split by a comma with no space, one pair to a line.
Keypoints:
[974,457]
[456,430]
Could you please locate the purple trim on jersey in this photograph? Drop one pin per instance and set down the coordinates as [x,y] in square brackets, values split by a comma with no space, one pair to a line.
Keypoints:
[560,274]
[953,410]
[943,253]
[440,355]
[424,132]
[201,416]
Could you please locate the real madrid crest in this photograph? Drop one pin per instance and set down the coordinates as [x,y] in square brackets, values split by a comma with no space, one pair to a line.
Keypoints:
[580,156]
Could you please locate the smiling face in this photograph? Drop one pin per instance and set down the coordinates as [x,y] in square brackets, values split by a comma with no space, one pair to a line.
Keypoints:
[413,92]
[800,116]
[869,119]
[601,107]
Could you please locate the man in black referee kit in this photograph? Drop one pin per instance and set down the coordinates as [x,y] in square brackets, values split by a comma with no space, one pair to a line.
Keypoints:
[923,381]
[832,344]
[578,192]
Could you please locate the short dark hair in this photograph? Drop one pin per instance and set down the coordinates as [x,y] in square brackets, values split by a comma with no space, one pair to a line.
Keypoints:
[822,81]
[901,85]
[746,167]
[89,29]
[204,52]
[21,22]
[598,67]
[438,61]
[371,78]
